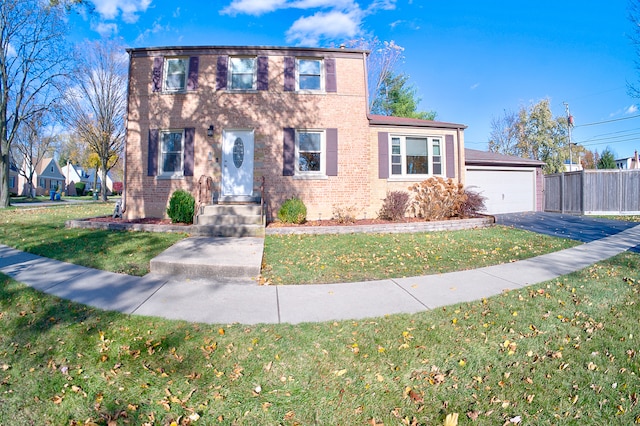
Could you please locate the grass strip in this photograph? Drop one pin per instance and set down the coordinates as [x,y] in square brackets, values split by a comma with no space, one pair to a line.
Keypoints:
[313,259]
[562,352]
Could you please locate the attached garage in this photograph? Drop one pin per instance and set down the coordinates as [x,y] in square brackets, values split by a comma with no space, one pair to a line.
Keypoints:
[509,184]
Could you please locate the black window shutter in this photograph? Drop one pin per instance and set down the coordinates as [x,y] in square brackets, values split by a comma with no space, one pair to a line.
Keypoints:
[332,152]
[221,72]
[156,75]
[383,155]
[289,74]
[189,134]
[152,160]
[289,151]
[192,80]
[449,155]
[263,73]
[331,84]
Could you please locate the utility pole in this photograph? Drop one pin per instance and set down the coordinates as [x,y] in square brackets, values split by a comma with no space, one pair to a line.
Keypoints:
[569,125]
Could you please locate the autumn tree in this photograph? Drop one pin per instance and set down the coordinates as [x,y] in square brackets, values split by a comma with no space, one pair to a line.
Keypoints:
[95,106]
[32,143]
[32,61]
[607,159]
[534,134]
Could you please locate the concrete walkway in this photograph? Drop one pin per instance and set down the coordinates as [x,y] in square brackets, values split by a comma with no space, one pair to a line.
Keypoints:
[245,302]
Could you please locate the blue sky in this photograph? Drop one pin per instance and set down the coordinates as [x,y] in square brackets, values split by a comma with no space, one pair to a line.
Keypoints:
[469,60]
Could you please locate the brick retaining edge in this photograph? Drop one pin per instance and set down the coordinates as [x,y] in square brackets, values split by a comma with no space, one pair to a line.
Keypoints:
[390,228]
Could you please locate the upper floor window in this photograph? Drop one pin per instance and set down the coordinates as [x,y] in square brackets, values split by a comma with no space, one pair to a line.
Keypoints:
[171,152]
[310,152]
[414,155]
[309,74]
[176,71]
[242,72]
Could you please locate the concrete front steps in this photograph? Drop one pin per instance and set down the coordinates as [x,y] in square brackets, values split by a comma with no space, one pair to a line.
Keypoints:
[227,244]
[230,220]
[228,260]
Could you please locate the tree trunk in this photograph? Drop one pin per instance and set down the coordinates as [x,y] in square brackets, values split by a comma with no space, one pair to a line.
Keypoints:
[103,188]
[4,180]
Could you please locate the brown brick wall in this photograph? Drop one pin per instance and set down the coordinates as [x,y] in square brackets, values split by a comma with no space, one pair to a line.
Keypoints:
[267,113]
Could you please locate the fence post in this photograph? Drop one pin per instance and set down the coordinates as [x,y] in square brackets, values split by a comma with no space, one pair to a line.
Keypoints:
[562,192]
[582,186]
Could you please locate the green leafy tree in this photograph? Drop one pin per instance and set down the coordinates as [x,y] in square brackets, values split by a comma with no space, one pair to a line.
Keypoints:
[532,133]
[607,159]
[397,98]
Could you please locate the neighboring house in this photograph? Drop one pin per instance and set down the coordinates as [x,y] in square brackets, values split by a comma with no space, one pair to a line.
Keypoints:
[13,179]
[510,184]
[74,174]
[628,163]
[47,176]
[572,166]
[296,118]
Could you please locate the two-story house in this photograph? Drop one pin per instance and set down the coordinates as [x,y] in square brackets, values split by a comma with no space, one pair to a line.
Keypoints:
[295,118]
[47,176]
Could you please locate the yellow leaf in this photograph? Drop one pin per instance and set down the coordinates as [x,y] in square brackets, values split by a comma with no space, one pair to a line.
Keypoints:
[451,419]
[340,372]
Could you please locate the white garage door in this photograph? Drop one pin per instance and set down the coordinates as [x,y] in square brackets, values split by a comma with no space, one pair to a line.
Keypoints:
[506,190]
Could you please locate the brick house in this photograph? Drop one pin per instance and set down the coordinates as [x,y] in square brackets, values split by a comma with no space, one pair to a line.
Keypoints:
[295,117]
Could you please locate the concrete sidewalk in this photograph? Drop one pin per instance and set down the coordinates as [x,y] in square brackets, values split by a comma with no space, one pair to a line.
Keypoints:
[243,301]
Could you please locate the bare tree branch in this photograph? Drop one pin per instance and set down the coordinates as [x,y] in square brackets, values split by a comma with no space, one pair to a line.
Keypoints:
[32,62]
[96,105]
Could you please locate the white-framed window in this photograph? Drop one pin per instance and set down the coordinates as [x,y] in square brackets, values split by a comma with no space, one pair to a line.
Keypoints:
[310,153]
[176,71]
[416,156]
[309,74]
[242,73]
[171,153]
[43,183]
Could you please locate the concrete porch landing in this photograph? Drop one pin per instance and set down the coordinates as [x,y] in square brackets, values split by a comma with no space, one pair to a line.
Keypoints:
[212,257]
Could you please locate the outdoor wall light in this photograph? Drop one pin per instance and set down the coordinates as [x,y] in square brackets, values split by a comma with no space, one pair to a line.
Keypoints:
[210,131]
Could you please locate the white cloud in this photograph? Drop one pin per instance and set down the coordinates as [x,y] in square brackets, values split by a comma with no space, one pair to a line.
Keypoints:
[128,9]
[155,28]
[333,19]
[311,30]
[253,7]
[105,29]
[474,86]
[631,109]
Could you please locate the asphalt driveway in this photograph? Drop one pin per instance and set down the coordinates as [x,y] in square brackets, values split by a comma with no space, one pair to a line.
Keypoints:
[580,228]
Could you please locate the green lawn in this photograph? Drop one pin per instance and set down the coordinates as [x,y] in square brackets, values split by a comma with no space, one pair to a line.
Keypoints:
[562,352]
[294,259]
[41,231]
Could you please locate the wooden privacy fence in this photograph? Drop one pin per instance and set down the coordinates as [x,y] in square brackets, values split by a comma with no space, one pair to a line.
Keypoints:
[593,192]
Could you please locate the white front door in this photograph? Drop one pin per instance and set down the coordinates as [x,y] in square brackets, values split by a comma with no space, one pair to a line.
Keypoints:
[237,163]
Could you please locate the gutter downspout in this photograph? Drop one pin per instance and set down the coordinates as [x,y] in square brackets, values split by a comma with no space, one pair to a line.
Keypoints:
[461,170]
